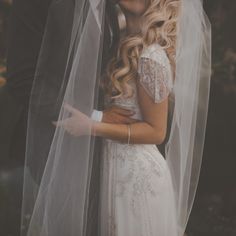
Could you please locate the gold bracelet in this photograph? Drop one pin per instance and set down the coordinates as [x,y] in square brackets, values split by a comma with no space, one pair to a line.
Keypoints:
[129,133]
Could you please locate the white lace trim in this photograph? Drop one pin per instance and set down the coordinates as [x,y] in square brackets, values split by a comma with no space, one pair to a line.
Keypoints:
[155,73]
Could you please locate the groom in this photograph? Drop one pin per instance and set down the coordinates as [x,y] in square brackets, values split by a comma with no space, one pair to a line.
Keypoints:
[27,23]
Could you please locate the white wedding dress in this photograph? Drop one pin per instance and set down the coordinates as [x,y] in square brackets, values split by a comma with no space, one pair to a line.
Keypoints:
[137,193]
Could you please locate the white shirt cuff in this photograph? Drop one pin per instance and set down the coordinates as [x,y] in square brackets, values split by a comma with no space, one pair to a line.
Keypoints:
[97,115]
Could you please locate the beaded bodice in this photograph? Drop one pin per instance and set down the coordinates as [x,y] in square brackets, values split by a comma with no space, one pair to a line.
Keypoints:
[154,74]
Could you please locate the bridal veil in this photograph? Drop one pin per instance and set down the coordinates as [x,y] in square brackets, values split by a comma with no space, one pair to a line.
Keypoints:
[58,166]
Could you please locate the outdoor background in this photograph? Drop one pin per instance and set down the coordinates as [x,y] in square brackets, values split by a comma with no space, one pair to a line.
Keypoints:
[214,212]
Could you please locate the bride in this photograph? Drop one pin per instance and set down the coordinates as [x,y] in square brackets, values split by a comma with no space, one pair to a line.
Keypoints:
[141,192]
[137,192]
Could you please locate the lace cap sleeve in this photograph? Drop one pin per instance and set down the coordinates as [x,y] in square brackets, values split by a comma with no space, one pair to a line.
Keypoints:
[155,73]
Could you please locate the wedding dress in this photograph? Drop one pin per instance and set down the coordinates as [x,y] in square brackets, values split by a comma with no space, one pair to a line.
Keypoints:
[137,192]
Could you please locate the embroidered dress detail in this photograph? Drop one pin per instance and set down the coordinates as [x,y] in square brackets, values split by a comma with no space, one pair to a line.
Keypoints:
[137,188]
[155,73]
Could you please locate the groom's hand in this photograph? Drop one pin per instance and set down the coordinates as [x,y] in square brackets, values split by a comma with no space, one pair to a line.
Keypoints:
[117,115]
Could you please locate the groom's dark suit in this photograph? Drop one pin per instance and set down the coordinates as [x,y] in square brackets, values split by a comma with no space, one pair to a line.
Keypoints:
[26,31]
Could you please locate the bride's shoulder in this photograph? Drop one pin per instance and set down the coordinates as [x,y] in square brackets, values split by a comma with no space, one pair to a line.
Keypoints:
[155,52]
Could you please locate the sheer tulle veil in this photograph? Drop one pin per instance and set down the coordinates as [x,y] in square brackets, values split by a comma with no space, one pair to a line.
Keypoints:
[58,166]
[184,148]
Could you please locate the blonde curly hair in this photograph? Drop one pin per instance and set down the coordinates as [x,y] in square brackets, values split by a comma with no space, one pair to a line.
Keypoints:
[159,25]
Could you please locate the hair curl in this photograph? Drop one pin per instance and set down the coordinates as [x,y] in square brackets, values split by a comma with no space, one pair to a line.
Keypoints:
[159,25]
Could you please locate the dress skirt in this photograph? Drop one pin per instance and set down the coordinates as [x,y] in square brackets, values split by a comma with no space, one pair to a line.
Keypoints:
[137,197]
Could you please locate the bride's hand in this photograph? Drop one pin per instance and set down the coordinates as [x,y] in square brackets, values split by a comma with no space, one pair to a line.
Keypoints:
[78,124]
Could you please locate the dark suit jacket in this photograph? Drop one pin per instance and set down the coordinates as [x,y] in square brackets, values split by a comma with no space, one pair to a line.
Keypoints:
[26,31]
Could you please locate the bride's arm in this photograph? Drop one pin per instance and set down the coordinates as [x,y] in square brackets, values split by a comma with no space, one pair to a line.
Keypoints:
[152,130]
